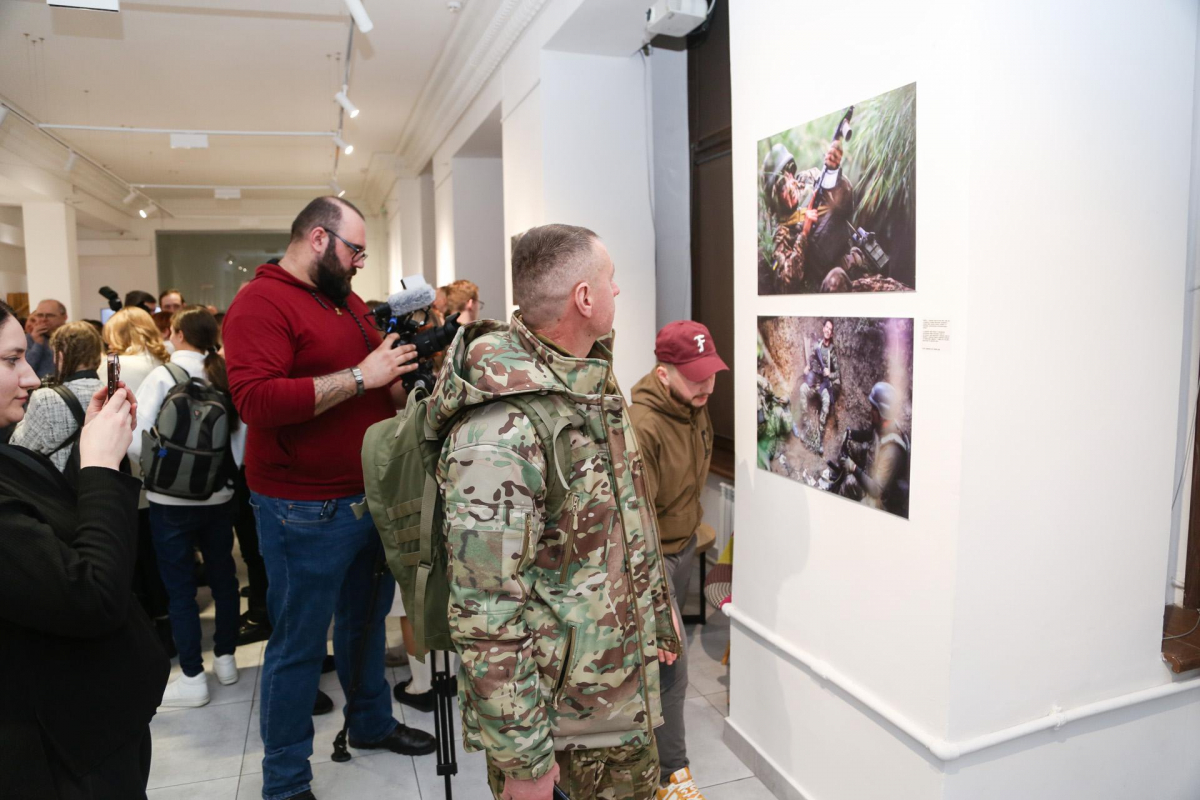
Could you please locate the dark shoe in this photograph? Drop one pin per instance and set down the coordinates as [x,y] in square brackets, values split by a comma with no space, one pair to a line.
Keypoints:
[306,795]
[328,665]
[403,740]
[323,705]
[244,591]
[253,630]
[424,701]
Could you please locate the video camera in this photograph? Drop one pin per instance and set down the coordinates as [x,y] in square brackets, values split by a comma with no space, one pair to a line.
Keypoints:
[114,299]
[406,313]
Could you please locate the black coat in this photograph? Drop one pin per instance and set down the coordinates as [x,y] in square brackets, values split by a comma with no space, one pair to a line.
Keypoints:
[81,668]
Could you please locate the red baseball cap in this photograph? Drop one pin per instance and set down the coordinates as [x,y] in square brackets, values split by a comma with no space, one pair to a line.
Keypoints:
[688,346]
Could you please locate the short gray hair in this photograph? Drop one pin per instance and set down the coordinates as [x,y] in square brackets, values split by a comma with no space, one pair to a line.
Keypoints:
[547,263]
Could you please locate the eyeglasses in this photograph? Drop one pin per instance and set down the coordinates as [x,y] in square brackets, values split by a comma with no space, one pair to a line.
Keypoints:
[359,250]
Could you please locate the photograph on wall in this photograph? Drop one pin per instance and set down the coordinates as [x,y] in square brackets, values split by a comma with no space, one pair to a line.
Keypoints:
[835,405]
[837,200]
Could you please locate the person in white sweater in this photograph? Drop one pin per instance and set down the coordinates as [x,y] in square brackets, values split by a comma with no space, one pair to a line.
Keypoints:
[178,525]
[132,335]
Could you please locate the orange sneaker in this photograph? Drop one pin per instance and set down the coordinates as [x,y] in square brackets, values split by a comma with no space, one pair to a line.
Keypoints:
[680,787]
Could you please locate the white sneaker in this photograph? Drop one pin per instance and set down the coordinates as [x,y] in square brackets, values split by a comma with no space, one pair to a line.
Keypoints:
[185,692]
[226,670]
[680,787]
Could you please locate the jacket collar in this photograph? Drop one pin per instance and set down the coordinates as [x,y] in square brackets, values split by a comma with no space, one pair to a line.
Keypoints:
[585,376]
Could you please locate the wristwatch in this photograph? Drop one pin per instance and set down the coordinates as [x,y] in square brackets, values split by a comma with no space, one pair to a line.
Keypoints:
[359,387]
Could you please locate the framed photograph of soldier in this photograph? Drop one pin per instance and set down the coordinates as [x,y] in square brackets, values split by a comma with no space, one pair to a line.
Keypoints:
[835,405]
[837,200]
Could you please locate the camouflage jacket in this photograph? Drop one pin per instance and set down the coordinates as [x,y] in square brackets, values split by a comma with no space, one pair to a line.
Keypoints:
[558,621]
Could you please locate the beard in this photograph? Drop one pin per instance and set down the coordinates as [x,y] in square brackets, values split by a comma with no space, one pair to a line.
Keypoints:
[332,278]
[687,402]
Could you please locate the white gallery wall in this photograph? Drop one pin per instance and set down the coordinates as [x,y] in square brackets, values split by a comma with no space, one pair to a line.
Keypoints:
[479,241]
[575,150]
[1030,576]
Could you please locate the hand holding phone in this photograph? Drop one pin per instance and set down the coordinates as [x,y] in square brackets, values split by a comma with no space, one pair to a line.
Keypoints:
[114,374]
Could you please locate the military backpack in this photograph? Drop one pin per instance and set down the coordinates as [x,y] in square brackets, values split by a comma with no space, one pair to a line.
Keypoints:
[400,457]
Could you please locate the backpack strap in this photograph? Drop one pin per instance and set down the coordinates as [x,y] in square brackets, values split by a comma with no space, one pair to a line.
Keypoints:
[553,430]
[76,409]
[178,373]
[424,557]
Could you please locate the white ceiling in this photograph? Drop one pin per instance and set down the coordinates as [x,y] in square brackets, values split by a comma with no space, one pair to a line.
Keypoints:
[223,65]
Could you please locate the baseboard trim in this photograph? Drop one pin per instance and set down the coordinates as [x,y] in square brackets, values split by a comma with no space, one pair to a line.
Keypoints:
[761,764]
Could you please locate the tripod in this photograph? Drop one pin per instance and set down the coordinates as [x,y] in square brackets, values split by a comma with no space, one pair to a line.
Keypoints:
[447,763]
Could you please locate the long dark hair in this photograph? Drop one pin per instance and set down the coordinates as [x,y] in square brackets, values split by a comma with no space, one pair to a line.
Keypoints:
[201,331]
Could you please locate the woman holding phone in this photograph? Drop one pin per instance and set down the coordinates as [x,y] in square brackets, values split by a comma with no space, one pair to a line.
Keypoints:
[80,664]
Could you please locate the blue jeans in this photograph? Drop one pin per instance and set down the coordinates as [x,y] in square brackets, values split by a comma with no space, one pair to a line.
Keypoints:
[177,531]
[320,564]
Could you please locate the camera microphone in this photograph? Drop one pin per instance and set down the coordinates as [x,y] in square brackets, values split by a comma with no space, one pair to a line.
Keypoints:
[407,301]
[114,299]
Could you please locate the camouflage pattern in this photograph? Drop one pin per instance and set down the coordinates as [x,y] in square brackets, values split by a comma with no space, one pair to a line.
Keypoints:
[558,621]
[775,422]
[630,772]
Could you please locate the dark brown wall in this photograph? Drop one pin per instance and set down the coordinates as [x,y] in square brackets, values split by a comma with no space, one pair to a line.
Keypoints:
[712,203]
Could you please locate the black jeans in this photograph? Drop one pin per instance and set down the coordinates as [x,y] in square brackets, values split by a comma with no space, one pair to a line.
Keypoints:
[121,776]
[247,535]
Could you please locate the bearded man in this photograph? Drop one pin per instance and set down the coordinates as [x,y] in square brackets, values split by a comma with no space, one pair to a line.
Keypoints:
[298,343]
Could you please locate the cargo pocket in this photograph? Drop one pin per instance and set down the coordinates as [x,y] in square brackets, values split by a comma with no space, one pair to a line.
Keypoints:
[491,545]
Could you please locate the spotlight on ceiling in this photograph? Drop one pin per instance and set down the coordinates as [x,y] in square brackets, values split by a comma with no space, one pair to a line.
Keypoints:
[143,213]
[129,198]
[348,149]
[345,103]
[338,190]
[72,160]
[355,7]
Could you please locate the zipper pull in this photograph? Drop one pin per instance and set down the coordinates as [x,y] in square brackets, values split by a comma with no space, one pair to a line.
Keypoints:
[575,513]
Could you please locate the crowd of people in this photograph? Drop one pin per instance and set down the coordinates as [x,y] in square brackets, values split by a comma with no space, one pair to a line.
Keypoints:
[138,448]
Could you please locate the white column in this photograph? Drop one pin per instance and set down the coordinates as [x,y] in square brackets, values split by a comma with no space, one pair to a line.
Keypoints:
[596,173]
[412,242]
[51,256]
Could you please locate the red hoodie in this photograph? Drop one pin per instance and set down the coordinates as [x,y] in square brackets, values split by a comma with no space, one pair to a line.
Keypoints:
[279,334]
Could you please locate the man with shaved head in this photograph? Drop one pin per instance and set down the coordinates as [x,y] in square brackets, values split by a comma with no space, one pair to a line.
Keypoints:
[310,374]
[559,604]
[49,316]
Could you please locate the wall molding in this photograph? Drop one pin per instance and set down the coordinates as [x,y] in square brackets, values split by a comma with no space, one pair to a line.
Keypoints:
[468,61]
[762,765]
[945,749]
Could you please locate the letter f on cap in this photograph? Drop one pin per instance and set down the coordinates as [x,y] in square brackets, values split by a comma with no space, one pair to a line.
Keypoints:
[700,342]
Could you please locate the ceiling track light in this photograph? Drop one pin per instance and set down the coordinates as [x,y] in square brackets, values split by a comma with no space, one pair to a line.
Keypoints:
[337,189]
[355,7]
[348,149]
[72,160]
[129,198]
[345,103]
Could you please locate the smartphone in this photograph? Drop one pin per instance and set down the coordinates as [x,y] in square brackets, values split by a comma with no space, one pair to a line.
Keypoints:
[114,374]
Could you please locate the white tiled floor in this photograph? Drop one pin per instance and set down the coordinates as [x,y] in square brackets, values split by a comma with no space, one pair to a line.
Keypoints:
[215,752]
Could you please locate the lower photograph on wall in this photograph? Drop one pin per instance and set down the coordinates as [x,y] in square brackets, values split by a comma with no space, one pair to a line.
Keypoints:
[835,405]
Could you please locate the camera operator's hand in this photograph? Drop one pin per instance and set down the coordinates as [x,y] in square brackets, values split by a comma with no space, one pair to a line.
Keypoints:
[107,431]
[387,363]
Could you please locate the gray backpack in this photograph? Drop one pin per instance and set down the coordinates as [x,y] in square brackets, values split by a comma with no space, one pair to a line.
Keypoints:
[187,454]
